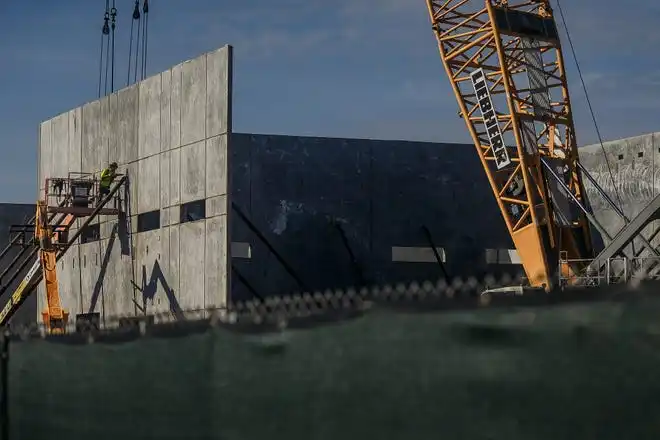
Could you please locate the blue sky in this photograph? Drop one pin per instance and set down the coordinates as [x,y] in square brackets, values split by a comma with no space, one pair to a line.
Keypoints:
[344,68]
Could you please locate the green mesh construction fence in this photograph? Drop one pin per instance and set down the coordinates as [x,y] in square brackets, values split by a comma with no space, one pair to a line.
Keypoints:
[520,371]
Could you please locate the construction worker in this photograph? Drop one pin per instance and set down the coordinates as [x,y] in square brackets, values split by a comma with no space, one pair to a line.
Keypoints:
[107,177]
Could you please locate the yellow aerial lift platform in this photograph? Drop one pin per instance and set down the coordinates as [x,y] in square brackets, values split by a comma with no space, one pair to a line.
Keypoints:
[66,199]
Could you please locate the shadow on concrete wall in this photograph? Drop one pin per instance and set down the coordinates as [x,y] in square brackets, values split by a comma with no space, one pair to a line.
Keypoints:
[149,289]
[124,236]
[119,230]
[98,287]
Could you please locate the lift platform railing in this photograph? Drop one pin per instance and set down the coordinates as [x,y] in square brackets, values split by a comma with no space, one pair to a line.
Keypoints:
[33,277]
[76,190]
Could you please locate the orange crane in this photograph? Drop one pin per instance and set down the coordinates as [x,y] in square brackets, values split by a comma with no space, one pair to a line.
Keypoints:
[506,68]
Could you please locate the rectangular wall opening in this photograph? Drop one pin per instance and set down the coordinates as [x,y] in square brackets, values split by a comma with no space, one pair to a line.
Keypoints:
[90,233]
[148,221]
[193,211]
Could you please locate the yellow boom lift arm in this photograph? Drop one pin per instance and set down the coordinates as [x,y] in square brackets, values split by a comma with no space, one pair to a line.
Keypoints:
[80,192]
[54,317]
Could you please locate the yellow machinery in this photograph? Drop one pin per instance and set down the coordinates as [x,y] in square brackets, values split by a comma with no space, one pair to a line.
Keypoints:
[76,197]
[506,68]
[54,317]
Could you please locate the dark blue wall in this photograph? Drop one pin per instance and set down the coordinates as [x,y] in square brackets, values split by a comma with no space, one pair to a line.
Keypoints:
[10,214]
[295,189]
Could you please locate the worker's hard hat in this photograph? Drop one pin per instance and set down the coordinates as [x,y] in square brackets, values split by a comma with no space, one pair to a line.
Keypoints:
[113,165]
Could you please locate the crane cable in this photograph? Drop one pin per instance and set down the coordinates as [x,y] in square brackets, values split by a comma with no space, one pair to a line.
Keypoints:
[136,17]
[145,37]
[591,110]
[593,116]
[137,43]
[113,16]
[105,30]
[101,64]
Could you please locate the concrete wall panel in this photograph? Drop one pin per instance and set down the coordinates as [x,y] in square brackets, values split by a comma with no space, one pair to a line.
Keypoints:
[165,109]
[149,117]
[126,147]
[628,174]
[169,216]
[60,146]
[218,80]
[216,166]
[193,100]
[175,176]
[117,270]
[169,296]
[149,187]
[325,189]
[165,178]
[175,107]
[216,206]
[92,145]
[193,170]
[91,284]
[133,186]
[156,131]
[192,247]
[215,272]
[112,125]
[45,154]
[75,148]
[174,267]
[75,140]
[108,106]
[120,293]
[152,272]
[69,286]
[304,193]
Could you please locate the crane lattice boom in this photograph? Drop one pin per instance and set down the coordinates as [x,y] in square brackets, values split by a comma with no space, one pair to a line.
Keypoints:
[506,68]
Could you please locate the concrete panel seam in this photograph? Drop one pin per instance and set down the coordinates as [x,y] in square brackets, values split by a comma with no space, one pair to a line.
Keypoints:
[160,136]
[228,176]
[206,109]
[180,198]
[169,129]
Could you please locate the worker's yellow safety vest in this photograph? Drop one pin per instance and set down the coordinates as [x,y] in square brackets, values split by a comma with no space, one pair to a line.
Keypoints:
[107,176]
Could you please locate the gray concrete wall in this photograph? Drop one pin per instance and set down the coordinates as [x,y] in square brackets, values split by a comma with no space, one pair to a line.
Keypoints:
[295,189]
[169,134]
[634,180]
[15,214]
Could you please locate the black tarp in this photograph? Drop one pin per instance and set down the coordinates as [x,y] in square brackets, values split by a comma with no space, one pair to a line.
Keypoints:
[558,372]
